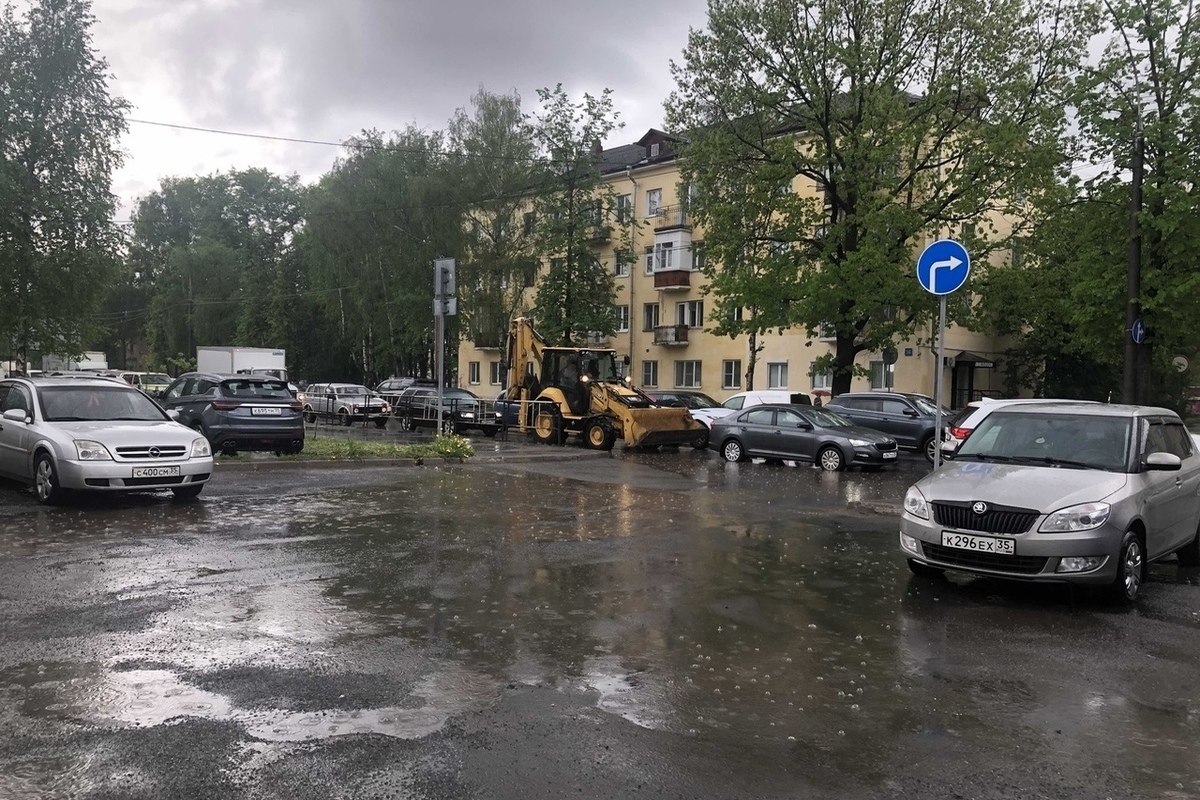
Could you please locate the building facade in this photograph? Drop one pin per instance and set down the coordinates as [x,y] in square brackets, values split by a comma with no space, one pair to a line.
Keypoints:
[656,255]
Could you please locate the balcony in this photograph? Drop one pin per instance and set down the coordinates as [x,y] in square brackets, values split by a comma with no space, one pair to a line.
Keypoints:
[599,234]
[670,217]
[673,280]
[671,335]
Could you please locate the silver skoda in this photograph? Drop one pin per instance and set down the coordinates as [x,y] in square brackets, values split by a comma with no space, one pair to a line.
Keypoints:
[1082,493]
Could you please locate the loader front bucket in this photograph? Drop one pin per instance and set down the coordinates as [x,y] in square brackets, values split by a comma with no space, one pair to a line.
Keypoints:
[658,426]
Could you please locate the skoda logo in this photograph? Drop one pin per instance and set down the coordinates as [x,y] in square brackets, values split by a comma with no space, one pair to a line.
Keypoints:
[979,507]
[155,452]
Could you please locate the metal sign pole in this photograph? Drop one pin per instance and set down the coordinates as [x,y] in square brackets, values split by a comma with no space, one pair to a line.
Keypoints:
[937,384]
[440,354]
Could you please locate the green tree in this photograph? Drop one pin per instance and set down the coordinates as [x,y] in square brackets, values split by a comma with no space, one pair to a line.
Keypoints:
[575,293]
[59,132]
[910,119]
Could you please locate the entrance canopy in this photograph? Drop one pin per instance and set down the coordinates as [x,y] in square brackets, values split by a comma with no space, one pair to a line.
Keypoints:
[979,362]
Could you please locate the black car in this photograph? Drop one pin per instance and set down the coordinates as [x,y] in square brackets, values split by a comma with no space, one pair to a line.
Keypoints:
[800,433]
[238,412]
[390,389]
[910,418]
[461,410]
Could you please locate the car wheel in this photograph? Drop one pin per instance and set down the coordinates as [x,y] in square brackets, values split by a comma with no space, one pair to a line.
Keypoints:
[701,440]
[928,448]
[1189,554]
[489,432]
[732,451]
[198,428]
[448,427]
[924,570]
[309,415]
[600,435]
[406,423]
[547,426]
[831,459]
[381,422]
[188,492]
[1131,569]
[344,418]
[45,481]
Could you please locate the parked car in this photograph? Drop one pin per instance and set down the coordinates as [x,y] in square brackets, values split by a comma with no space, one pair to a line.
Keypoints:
[390,389]
[759,397]
[346,402]
[152,383]
[799,433]
[69,434]
[238,412]
[967,419]
[702,407]
[909,418]
[462,410]
[1060,492]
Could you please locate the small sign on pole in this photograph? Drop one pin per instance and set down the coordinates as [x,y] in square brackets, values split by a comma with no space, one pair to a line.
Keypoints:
[942,268]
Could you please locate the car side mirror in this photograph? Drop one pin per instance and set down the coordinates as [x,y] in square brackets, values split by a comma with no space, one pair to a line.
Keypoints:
[173,414]
[16,415]
[804,426]
[909,412]
[1164,462]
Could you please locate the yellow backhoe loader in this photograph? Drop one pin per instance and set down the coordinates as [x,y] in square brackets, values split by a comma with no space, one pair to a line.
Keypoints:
[557,392]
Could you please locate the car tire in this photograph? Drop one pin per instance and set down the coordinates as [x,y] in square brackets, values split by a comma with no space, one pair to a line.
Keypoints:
[547,426]
[1189,554]
[198,428]
[448,427]
[381,422]
[188,492]
[831,459]
[732,451]
[344,418]
[1131,569]
[924,570]
[406,423]
[599,434]
[45,481]
[928,448]
[701,440]
[310,416]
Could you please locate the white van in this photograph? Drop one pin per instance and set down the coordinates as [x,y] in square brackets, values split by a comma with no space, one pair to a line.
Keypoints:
[757,398]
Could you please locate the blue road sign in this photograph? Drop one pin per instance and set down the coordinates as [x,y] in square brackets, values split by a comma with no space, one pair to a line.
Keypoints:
[943,267]
[1138,331]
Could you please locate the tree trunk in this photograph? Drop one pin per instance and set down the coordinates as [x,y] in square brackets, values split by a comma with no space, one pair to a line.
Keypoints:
[843,370]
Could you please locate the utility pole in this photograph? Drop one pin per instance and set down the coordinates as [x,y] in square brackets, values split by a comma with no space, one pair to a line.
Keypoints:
[1134,328]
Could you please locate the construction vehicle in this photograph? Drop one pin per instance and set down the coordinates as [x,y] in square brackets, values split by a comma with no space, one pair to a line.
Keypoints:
[560,392]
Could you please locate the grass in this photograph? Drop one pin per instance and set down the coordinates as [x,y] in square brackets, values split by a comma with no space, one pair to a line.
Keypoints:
[333,449]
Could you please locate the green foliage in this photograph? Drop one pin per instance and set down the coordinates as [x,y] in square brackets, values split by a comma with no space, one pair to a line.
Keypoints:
[59,132]
[575,293]
[907,118]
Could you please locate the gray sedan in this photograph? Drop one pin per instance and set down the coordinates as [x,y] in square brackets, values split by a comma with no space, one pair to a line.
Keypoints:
[1080,493]
[100,435]
[800,433]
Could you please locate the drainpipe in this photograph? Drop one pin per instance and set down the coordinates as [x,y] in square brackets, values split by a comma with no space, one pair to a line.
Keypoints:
[632,272]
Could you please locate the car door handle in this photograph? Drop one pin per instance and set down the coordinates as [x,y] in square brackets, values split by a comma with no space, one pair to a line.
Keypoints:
[1178,482]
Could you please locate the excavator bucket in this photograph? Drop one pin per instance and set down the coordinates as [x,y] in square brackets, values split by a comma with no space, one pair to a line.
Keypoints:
[658,426]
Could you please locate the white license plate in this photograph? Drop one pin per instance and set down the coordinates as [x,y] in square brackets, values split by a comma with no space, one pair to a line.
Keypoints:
[156,472]
[891,454]
[980,544]
[267,411]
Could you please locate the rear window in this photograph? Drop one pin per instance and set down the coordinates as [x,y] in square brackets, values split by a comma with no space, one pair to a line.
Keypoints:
[250,389]
[958,419]
[800,399]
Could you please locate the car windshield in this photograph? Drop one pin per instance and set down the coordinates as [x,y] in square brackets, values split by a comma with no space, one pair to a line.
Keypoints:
[697,400]
[353,390]
[458,394]
[97,403]
[824,418]
[157,377]
[1082,440]
[251,389]
[927,406]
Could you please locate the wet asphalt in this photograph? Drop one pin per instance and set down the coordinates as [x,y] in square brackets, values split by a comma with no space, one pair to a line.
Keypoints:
[552,622]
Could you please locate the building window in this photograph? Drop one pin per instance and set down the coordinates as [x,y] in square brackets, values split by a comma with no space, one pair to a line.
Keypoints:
[731,374]
[622,318]
[690,313]
[624,208]
[826,333]
[649,259]
[698,260]
[473,373]
[528,222]
[653,202]
[883,376]
[777,377]
[820,380]
[649,373]
[664,255]
[621,264]
[687,374]
[649,316]
[494,373]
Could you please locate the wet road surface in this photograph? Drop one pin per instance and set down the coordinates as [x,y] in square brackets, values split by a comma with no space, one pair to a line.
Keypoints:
[656,625]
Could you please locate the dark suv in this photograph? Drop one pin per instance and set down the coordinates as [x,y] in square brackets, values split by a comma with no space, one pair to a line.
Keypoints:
[238,412]
[417,406]
[391,388]
[909,418]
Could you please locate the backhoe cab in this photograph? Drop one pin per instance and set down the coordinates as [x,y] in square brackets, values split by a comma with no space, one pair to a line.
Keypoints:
[572,391]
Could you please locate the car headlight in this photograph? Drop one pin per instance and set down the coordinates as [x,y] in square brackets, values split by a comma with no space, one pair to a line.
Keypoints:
[200,448]
[859,443]
[1083,517]
[385,408]
[87,450]
[354,409]
[914,503]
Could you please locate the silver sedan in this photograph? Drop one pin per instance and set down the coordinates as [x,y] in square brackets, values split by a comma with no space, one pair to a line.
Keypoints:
[97,435]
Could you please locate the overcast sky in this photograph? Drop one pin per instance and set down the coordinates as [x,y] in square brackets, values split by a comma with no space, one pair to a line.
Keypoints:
[327,69]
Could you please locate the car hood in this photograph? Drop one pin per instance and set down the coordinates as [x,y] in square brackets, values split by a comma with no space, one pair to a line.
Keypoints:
[710,414]
[858,432]
[124,433]
[1020,485]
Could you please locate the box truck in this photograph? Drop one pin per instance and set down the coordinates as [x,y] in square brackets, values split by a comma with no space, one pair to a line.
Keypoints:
[242,360]
[91,361]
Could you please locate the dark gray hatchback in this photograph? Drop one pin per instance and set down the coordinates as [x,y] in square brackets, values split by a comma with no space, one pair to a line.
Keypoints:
[238,412]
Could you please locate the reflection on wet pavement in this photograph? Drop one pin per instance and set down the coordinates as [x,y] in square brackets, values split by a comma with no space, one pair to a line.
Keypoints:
[707,602]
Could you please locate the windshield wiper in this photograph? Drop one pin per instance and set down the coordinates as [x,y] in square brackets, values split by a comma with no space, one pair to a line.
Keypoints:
[1055,462]
[984,457]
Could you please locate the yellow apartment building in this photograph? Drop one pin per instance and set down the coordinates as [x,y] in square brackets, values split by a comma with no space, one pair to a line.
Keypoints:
[662,307]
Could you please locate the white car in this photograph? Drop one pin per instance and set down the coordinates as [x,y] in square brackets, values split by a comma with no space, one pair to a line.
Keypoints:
[967,419]
[702,407]
[98,435]
[760,397]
